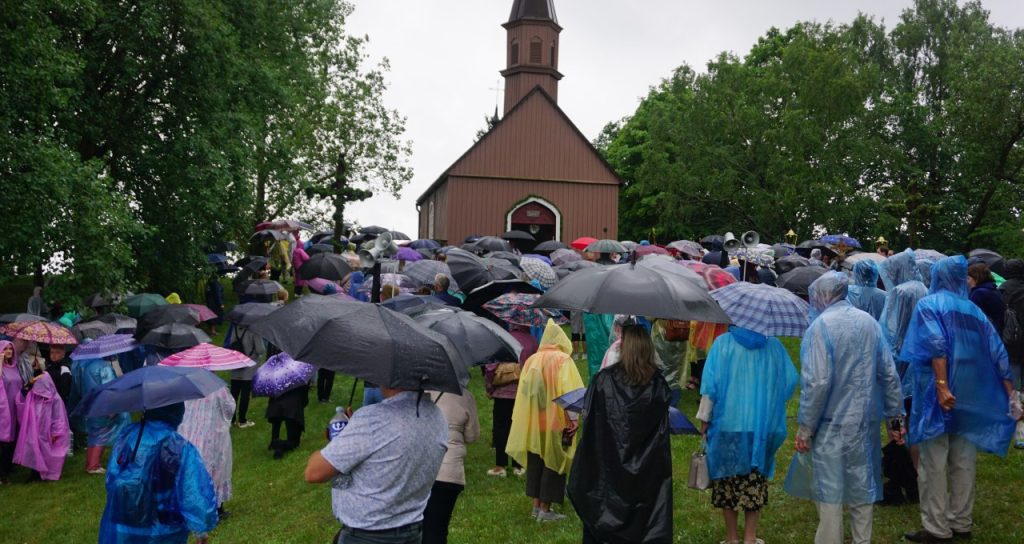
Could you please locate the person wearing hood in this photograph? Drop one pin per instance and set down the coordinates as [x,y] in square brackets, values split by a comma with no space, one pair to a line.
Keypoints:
[904,289]
[87,376]
[717,256]
[963,400]
[816,258]
[1012,291]
[44,435]
[598,329]
[157,487]
[864,294]
[543,435]
[621,482]
[748,377]
[14,376]
[985,295]
[848,385]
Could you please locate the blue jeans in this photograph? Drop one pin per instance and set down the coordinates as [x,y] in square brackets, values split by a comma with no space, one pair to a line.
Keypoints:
[372,395]
[410,534]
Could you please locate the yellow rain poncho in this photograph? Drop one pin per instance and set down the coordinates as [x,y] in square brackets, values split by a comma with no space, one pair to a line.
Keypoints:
[537,422]
[173,298]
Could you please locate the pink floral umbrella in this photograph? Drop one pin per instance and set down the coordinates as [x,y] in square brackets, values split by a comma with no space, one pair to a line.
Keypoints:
[40,331]
[210,357]
[205,313]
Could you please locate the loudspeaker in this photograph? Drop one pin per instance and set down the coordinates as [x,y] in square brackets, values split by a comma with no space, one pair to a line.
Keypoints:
[750,239]
[731,243]
[383,246]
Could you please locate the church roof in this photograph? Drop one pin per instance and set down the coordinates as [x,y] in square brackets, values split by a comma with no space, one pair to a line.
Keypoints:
[537,10]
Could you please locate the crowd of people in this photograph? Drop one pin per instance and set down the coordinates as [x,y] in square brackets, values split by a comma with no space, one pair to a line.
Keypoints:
[927,351]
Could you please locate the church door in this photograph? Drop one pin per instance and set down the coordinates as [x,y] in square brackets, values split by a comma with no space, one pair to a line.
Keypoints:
[537,218]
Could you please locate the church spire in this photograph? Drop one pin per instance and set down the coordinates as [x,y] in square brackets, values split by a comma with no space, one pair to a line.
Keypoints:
[532,50]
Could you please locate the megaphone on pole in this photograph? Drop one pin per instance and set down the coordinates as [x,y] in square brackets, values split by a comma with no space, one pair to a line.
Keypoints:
[383,246]
[730,243]
[750,239]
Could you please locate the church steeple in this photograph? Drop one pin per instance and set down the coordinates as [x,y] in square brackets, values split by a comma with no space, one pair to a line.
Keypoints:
[532,50]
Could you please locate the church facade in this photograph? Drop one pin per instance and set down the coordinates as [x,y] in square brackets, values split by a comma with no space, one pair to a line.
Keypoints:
[534,170]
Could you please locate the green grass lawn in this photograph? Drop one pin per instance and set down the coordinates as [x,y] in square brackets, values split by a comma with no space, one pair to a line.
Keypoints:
[273,504]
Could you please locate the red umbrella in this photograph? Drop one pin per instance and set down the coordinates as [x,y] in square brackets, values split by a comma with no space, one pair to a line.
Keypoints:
[582,243]
[714,276]
[205,313]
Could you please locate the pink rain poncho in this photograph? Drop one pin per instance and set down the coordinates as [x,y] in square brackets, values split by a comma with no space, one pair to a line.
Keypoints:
[44,434]
[9,392]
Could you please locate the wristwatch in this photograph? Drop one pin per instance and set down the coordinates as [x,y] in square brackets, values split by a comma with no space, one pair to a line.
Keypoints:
[941,382]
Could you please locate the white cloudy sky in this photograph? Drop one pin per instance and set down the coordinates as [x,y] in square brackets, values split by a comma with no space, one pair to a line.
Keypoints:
[445,56]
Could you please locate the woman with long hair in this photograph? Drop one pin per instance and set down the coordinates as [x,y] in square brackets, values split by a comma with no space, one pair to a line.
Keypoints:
[621,481]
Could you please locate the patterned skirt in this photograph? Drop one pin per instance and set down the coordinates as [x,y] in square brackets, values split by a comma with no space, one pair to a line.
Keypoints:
[748,492]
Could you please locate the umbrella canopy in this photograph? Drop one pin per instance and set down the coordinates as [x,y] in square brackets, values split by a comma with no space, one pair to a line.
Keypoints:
[549,246]
[11,318]
[572,401]
[687,247]
[668,265]
[172,313]
[320,285]
[507,256]
[252,263]
[633,290]
[423,272]
[476,298]
[204,313]
[92,329]
[546,259]
[290,225]
[413,305]
[325,265]
[764,309]
[651,250]
[408,254]
[263,287]
[606,246]
[269,234]
[840,240]
[629,245]
[141,304]
[472,272]
[96,300]
[119,321]
[536,269]
[790,262]
[320,248]
[250,312]
[711,240]
[373,230]
[43,332]
[175,336]
[490,243]
[800,279]
[424,243]
[478,340]
[929,255]
[217,258]
[783,250]
[518,235]
[396,235]
[851,260]
[210,357]
[281,374]
[564,270]
[678,424]
[365,341]
[713,276]
[582,243]
[517,308]
[147,388]
[989,257]
[564,256]
[104,346]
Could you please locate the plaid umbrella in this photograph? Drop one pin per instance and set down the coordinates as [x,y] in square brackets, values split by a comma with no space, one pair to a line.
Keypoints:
[204,313]
[210,357]
[758,256]
[425,271]
[715,277]
[767,310]
[104,346]
[536,269]
[516,308]
[39,331]
[564,256]
[928,254]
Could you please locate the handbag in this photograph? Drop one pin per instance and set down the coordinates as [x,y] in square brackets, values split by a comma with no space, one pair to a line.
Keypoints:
[677,331]
[699,477]
[506,373]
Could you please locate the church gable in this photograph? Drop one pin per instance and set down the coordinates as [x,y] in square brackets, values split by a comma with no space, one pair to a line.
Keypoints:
[535,141]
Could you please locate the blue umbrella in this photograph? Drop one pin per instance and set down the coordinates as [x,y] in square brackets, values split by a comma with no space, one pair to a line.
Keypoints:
[840,240]
[573,400]
[678,423]
[147,388]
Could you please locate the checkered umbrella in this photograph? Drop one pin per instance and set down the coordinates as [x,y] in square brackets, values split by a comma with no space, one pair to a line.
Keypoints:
[516,308]
[767,310]
[39,331]
[536,269]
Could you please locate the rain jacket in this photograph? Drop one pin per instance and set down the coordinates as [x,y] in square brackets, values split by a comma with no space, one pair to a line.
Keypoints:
[848,384]
[900,268]
[904,290]
[991,303]
[161,495]
[1013,296]
[43,432]
[598,329]
[207,426]
[946,324]
[672,357]
[748,377]
[10,389]
[537,422]
[299,258]
[621,482]
[864,293]
[87,375]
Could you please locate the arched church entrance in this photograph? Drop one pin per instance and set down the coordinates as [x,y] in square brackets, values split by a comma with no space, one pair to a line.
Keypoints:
[536,216]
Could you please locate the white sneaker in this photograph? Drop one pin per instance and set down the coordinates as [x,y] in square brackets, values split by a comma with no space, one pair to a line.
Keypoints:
[520,471]
[550,515]
[100,470]
[497,472]
[246,425]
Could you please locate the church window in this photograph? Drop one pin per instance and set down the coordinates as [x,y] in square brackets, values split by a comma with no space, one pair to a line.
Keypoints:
[514,53]
[430,220]
[535,51]
[553,54]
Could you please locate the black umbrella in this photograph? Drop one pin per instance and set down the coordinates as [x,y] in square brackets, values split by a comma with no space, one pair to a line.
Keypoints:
[633,290]
[269,234]
[325,265]
[490,243]
[320,236]
[786,264]
[364,341]
[549,246]
[470,271]
[396,235]
[320,248]
[175,336]
[476,298]
[471,238]
[709,241]
[119,321]
[804,248]
[92,329]
[478,340]
[413,305]
[250,312]
[990,258]
[96,300]
[373,229]
[163,315]
[798,280]
[362,237]
[518,235]
[262,287]
[565,269]
[507,256]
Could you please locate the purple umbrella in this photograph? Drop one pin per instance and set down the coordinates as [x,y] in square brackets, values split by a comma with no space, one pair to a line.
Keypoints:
[104,346]
[408,254]
[280,374]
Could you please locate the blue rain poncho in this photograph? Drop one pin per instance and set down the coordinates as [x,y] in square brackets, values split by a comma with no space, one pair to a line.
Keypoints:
[924,267]
[164,492]
[946,324]
[848,384]
[598,328]
[900,268]
[748,377]
[864,293]
[86,376]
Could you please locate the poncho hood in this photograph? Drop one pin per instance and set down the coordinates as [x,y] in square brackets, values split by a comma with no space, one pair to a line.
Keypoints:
[44,387]
[831,288]
[865,273]
[555,337]
[14,352]
[748,338]
[950,275]
[899,268]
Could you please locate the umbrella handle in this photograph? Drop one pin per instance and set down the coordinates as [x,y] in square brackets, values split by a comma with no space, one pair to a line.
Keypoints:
[138,440]
[352,395]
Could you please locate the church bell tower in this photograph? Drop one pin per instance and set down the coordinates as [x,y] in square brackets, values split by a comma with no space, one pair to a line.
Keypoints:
[532,50]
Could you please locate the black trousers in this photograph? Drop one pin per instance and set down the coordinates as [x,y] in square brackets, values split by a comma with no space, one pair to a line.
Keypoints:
[294,433]
[242,391]
[6,459]
[589,538]
[438,513]
[324,384]
[501,424]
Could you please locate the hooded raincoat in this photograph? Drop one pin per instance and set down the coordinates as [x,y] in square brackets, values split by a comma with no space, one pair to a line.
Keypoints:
[904,290]
[900,268]
[864,294]
[537,422]
[621,482]
[207,425]
[162,492]
[44,435]
[598,329]
[87,375]
[948,325]
[9,393]
[848,384]
[748,377]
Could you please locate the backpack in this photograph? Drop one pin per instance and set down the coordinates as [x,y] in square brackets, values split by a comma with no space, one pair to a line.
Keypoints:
[139,485]
[1012,332]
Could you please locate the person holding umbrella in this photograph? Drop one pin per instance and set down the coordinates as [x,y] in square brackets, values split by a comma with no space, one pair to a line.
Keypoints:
[88,375]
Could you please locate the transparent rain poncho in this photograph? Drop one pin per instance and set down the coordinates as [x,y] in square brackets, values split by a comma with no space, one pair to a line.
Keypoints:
[864,294]
[900,268]
[946,324]
[848,384]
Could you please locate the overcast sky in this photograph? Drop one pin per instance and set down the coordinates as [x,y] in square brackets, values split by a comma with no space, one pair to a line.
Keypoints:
[446,54]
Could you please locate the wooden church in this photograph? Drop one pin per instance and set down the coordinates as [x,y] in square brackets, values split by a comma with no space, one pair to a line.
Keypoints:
[534,170]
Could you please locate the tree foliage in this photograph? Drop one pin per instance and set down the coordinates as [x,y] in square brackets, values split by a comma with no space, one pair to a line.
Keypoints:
[913,133]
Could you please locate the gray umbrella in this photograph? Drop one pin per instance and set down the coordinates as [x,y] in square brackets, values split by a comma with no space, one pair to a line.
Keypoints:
[175,336]
[518,235]
[549,246]
[512,258]
[11,318]
[320,248]
[799,280]
[606,246]
[790,262]
[477,339]
[250,312]
[413,305]
[365,341]
[373,229]
[633,290]
[163,315]
[325,265]
[471,271]
[564,270]
[425,271]
[490,243]
[262,287]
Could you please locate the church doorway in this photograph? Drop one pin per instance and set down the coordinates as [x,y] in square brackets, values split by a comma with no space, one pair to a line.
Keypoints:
[537,217]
